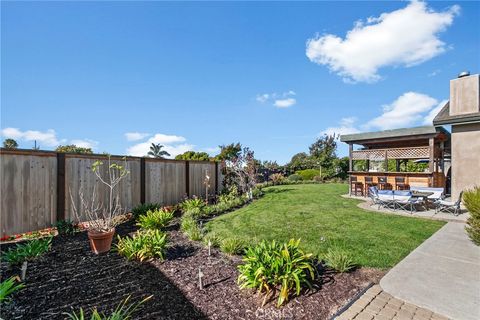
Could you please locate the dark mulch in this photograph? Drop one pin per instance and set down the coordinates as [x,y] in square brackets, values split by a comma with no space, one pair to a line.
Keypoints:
[70,276]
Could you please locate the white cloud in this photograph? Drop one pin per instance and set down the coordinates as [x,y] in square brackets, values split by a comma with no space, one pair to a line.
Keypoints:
[170,143]
[404,111]
[47,138]
[407,37]
[85,143]
[262,98]
[428,119]
[347,126]
[279,100]
[285,103]
[135,136]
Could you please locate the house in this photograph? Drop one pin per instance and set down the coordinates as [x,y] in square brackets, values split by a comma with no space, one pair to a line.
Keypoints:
[393,158]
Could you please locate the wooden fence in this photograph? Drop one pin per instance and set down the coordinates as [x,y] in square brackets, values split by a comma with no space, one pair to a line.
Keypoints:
[39,188]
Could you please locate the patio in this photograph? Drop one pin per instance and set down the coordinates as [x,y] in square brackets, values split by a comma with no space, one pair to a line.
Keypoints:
[367,204]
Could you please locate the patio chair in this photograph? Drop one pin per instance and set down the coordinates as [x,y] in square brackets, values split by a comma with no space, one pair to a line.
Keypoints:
[373,194]
[449,206]
[403,200]
[368,184]
[385,199]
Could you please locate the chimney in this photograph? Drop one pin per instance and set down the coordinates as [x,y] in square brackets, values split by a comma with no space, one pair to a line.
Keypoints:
[465,94]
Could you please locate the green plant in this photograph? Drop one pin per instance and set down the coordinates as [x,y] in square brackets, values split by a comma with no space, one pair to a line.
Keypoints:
[232,246]
[123,311]
[277,178]
[319,179]
[155,219]
[270,265]
[339,260]
[190,227]
[66,227]
[193,207]
[308,174]
[257,193]
[471,200]
[27,251]
[294,177]
[145,244]
[144,208]
[8,287]
[214,239]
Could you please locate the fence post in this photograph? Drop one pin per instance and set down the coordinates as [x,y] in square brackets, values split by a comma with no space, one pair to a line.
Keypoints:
[216,177]
[60,186]
[187,177]
[142,180]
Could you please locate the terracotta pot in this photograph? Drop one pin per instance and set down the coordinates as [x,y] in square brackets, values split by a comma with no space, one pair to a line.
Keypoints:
[101,242]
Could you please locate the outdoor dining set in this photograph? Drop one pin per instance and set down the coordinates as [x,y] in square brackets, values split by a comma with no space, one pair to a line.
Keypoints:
[401,196]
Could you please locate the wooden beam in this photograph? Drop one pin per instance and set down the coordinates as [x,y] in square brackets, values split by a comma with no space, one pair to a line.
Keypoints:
[60,186]
[350,160]
[431,153]
[142,180]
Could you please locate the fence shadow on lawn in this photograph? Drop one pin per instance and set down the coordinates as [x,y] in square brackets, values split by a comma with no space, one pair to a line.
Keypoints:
[70,276]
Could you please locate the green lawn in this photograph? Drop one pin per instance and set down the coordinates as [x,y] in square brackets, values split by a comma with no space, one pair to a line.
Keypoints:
[318,215]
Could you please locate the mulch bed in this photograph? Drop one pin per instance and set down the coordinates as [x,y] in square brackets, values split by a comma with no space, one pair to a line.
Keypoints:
[70,276]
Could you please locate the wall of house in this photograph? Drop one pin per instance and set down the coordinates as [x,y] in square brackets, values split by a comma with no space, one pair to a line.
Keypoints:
[465,157]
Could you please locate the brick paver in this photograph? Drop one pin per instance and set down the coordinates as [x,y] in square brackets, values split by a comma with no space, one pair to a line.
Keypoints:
[376,304]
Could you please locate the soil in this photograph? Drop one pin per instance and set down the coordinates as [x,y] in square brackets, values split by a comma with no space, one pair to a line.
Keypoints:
[70,276]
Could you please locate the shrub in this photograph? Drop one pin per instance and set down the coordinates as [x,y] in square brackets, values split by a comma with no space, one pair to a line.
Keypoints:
[145,244]
[232,246]
[339,260]
[228,195]
[123,311]
[471,200]
[257,193]
[66,227]
[214,239]
[8,287]
[277,178]
[269,265]
[308,174]
[193,207]
[155,219]
[191,229]
[27,251]
[319,179]
[294,177]
[144,208]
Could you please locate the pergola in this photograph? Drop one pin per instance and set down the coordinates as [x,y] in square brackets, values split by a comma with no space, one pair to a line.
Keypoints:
[425,144]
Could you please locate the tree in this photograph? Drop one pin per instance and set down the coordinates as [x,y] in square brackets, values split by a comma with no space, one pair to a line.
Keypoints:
[71,148]
[299,161]
[241,172]
[323,153]
[10,144]
[192,155]
[157,152]
[229,152]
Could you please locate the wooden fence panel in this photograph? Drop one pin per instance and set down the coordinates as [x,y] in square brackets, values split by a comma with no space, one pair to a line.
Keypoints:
[28,192]
[165,181]
[32,180]
[79,177]
[198,172]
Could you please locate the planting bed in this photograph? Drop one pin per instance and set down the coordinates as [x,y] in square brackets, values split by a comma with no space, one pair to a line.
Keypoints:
[70,276]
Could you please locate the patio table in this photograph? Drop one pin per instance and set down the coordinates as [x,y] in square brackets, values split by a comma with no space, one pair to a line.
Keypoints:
[424,195]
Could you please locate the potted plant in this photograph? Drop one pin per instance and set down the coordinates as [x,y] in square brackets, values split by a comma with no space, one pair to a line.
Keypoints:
[102,219]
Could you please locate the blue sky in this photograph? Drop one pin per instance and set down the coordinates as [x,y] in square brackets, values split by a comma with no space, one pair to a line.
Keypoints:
[272,75]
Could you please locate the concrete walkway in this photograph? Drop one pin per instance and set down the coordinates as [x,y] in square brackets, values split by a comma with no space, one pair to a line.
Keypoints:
[441,275]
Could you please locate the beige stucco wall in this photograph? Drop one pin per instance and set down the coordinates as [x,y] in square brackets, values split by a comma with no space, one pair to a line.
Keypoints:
[465,95]
[465,157]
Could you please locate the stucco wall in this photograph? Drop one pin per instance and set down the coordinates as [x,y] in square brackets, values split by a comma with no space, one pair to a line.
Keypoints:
[465,95]
[465,157]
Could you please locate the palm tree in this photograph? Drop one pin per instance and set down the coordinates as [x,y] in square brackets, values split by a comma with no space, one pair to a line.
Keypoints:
[10,144]
[157,152]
